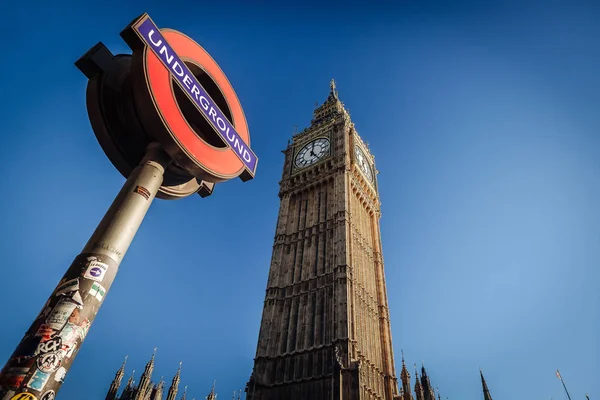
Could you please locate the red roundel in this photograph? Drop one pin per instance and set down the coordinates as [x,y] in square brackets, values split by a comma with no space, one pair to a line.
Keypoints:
[220,163]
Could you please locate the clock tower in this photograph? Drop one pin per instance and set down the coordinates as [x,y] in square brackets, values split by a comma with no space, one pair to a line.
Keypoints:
[325,330]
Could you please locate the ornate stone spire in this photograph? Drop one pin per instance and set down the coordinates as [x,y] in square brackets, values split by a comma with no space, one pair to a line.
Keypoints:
[428,392]
[129,390]
[418,387]
[405,377]
[114,386]
[172,394]
[212,395]
[145,380]
[331,108]
[486,392]
[184,393]
[158,390]
[130,381]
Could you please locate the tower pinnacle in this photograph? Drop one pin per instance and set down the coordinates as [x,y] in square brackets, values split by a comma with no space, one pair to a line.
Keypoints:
[405,378]
[486,392]
[428,392]
[130,383]
[158,390]
[172,394]
[145,381]
[212,395]
[418,387]
[114,386]
[333,89]
[184,393]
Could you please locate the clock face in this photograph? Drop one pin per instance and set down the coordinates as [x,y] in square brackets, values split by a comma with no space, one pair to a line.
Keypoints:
[362,162]
[312,152]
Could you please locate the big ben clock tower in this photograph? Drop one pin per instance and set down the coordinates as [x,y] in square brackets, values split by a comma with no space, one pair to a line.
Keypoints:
[325,330]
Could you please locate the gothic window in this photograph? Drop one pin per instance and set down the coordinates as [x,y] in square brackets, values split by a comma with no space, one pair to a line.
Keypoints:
[299,366]
[280,369]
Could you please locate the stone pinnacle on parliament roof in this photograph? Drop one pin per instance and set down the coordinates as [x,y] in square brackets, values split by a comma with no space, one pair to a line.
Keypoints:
[486,392]
[183,397]
[212,395]
[121,370]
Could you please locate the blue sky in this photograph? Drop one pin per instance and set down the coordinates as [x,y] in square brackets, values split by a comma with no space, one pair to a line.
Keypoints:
[483,117]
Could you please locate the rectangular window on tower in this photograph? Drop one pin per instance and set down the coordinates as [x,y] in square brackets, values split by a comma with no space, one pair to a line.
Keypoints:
[289,366]
[309,364]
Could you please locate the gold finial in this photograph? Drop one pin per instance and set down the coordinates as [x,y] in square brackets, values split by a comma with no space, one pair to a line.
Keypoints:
[333,89]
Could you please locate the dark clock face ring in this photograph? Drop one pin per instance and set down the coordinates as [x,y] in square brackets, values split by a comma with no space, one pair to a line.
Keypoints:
[312,152]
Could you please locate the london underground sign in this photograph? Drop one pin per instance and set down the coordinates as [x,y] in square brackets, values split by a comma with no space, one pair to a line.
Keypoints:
[169,120]
[169,91]
[162,60]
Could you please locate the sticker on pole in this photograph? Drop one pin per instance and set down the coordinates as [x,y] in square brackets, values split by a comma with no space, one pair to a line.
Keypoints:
[96,271]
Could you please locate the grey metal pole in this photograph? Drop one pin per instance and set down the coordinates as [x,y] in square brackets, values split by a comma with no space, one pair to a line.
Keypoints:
[37,368]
